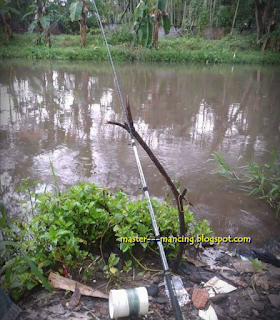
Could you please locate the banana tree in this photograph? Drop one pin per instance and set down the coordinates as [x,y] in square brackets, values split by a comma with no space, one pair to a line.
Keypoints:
[78,12]
[6,12]
[149,16]
[41,22]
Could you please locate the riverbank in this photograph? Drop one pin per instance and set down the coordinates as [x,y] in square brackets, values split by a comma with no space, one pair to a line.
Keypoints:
[231,49]
[215,281]
[76,234]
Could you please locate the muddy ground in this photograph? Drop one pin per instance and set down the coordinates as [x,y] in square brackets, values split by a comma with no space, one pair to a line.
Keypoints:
[257,293]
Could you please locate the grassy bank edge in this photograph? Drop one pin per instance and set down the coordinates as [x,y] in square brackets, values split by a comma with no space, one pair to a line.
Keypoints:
[171,50]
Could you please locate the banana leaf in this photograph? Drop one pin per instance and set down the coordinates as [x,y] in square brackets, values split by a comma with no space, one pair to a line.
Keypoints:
[144,29]
[139,10]
[166,24]
[45,22]
[150,36]
[161,5]
[76,10]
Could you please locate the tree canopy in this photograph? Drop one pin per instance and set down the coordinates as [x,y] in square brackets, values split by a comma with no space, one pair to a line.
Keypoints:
[191,16]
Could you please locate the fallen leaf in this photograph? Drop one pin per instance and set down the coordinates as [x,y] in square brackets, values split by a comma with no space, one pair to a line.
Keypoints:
[195,262]
[244,266]
[236,280]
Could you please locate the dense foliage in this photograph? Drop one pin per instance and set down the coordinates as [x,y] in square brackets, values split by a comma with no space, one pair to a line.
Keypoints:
[260,17]
[80,224]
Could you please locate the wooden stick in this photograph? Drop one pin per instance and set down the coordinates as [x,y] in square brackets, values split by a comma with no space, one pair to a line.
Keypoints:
[59,282]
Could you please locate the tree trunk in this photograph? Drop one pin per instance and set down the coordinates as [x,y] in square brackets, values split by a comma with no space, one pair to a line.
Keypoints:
[210,11]
[155,35]
[270,28]
[124,12]
[48,37]
[184,14]
[266,11]
[83,31]
[47,30]
[235,15]
[83,25]
[261,17]
[213,13]
[7,28]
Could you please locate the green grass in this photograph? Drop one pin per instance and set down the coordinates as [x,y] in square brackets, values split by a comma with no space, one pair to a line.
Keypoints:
[262,180]
[235,49]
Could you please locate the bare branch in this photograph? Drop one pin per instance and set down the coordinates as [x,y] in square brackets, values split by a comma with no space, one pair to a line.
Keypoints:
[178,197]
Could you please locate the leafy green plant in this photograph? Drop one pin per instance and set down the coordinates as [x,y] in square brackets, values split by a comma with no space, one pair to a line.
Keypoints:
[69,228]
[256,179]
[110,270]
[121,35]
[257,265]
[6,11]
[30,263]
[149,15]
[78,12]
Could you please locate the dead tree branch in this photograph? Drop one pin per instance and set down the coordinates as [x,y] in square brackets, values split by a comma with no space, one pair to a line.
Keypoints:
[179,197]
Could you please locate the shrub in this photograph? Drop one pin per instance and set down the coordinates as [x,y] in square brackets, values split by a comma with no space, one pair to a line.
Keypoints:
[121,35]
[67,229]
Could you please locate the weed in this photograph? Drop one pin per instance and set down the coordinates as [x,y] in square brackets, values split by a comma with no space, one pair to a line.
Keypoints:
[256,179]
[257,265]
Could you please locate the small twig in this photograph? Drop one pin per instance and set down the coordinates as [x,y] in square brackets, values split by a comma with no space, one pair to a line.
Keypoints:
[101,242]
[107,285]
[129,114]
[158,313]
[142,266]
[102,285]
[153,250]
[94,315]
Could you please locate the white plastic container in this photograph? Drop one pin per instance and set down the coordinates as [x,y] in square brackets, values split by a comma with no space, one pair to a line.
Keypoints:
[129,302]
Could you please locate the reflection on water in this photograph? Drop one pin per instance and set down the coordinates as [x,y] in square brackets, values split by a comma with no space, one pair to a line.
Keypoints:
[58,111]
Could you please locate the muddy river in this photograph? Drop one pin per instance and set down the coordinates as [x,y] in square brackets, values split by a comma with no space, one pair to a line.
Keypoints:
[58,111]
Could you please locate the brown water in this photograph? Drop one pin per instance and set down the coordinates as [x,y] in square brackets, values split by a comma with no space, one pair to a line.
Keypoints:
[58,111]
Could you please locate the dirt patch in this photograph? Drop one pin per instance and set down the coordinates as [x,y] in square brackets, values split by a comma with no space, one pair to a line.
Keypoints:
[255,294]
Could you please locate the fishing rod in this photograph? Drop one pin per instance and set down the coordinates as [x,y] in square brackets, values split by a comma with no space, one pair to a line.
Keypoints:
[167,273]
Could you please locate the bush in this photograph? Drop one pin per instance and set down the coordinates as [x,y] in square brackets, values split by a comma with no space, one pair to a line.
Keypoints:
[121,35]
[67,229]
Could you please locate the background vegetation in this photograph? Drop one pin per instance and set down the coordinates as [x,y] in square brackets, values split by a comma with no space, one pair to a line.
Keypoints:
[205,30]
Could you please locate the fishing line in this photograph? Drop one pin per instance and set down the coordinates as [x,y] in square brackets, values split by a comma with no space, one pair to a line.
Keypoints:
[167,273]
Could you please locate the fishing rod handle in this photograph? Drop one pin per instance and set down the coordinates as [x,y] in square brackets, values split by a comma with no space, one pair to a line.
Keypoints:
[173,297]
